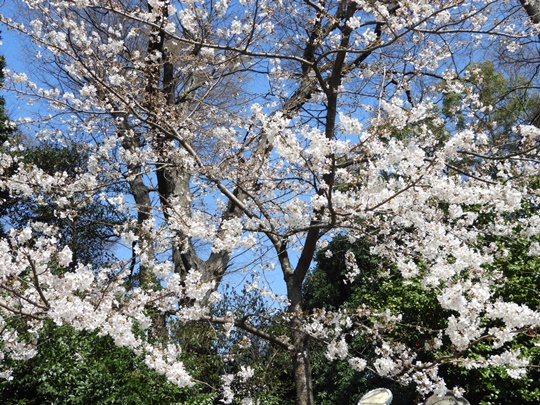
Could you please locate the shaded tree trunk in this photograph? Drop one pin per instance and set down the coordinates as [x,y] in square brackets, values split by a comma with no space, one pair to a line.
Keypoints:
[532,7]
[300,345]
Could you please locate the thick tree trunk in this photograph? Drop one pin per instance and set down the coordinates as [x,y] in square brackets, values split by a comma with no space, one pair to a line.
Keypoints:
[300,350]
[302,368]
[532,7]
[141,195]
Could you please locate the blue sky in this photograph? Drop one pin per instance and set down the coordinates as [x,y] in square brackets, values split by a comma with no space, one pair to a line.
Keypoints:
[12,51]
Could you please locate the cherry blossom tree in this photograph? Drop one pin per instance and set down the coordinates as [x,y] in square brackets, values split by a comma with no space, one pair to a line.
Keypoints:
[250,132]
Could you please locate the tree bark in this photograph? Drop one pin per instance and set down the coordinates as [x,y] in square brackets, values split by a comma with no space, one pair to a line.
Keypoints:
[532,7]
[300,350]
[302,370]
[141,194]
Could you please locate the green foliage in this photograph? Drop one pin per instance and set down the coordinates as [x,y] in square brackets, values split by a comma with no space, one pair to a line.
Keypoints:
[209,352]
[79,367]
[491,386]
[505,102]
[509,102]
[336,383]
[272,382]
[521,285]
[326,289]
[89,230]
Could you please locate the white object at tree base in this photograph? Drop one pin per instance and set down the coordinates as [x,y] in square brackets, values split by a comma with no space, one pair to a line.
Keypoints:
[380,396]
[447,399]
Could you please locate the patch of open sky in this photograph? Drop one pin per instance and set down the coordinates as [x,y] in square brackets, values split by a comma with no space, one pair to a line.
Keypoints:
[13,51]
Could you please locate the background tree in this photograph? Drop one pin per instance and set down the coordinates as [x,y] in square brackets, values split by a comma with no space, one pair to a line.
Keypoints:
[509,102]
[5,128]
[74,366]
[336,381]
